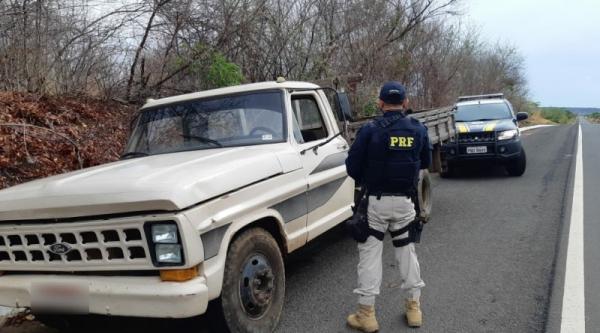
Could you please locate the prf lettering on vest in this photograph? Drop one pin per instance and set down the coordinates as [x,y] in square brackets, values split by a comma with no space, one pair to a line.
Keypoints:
[401,141]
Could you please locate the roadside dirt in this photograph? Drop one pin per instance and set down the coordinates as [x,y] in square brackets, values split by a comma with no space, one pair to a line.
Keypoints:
[27,327]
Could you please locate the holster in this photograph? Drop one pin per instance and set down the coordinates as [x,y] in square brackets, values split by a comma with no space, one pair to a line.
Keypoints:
[358,224]
[418,223]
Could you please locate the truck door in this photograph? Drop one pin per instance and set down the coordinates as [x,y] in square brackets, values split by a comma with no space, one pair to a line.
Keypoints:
[323,154]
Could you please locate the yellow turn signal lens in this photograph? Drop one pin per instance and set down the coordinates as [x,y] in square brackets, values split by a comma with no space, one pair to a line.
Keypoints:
[179,275]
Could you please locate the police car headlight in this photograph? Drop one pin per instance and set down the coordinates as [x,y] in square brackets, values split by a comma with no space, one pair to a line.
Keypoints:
[507,135]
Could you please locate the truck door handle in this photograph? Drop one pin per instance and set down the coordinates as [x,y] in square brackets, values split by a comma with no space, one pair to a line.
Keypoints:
[342,146]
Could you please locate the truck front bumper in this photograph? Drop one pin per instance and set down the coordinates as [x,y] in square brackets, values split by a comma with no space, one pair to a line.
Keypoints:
[115,295]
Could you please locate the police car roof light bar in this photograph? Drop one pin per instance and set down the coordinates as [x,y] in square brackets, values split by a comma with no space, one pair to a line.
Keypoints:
[476,97]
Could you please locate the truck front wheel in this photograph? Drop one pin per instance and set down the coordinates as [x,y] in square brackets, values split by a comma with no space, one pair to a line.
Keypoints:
[254,283]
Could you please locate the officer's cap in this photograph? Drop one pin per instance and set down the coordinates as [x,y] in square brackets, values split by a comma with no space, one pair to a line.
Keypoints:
[392,92]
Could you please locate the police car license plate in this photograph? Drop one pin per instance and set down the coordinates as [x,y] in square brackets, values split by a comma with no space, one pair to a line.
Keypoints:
[477,150]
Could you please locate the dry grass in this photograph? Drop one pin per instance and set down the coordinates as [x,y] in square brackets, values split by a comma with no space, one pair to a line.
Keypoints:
[536,118]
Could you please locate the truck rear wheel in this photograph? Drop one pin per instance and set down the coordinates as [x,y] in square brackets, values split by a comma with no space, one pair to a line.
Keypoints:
[517,166]
[424,195]
[254,283]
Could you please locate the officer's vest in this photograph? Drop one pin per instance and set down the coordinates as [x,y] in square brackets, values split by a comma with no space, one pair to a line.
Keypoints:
[394,155]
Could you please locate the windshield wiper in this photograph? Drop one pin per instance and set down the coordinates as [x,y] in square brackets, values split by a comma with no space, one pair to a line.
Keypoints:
[203,139]
[132,154]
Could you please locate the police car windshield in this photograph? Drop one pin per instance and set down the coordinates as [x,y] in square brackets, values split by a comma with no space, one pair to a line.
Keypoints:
[487,111]
[226,121]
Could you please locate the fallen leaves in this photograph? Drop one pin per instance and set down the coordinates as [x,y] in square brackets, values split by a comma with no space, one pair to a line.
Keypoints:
[97,128]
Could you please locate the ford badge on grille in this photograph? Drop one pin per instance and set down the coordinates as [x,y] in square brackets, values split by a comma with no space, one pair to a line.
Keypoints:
[60,248]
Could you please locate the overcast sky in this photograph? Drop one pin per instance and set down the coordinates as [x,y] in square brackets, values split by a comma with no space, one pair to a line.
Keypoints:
[559,39]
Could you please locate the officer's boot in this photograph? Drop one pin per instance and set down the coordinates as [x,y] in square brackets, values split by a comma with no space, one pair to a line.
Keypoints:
[364,319]
[414,316]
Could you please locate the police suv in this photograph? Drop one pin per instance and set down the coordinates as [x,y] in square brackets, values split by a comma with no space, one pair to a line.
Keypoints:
[487,130]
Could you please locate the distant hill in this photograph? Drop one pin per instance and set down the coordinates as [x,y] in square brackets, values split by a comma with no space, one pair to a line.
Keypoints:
[583,111]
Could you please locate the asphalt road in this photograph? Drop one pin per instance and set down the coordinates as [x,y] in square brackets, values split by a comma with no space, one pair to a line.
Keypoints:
[487,256]
[591,162]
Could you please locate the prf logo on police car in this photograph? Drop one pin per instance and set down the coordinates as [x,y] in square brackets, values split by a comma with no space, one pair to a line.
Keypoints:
[401,142]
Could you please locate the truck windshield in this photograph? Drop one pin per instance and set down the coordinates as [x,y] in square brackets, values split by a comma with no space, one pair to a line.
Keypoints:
[224,121]
[474,112]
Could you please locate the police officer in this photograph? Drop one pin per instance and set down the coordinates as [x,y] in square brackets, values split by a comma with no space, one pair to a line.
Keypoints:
[386,158]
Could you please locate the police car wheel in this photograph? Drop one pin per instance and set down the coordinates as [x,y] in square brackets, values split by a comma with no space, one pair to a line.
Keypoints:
[517,166]
[254,283]
[448,171]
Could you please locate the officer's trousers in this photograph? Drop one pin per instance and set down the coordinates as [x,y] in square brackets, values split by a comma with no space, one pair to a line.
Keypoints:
[388,213]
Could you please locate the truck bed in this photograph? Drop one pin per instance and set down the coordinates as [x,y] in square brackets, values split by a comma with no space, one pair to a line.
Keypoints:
[439,122]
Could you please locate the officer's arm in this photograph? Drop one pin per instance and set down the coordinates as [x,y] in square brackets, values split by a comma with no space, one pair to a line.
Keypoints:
[426,150]
[357,156]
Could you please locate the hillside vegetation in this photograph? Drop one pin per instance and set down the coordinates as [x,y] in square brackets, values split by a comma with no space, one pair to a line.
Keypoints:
[53,50]
[594,117]
[558,115]
[64,134]
[539,115]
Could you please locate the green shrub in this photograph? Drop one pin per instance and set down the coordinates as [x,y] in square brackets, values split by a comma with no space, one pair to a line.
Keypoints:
[223,73]
[370,108]
[595,115]
[558,115]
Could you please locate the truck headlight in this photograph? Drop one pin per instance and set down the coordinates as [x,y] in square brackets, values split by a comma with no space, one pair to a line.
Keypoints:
[165,243]
[164,233]
[507,135]
[168,253]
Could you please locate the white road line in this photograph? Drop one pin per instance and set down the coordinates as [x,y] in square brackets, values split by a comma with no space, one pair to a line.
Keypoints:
[524,129]
[573,307]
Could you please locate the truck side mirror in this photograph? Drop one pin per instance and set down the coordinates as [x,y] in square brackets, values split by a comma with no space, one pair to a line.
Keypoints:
[522,116]
[344,106]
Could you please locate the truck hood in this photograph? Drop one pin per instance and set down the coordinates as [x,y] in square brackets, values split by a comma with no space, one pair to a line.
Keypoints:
[485,126]
[167,182]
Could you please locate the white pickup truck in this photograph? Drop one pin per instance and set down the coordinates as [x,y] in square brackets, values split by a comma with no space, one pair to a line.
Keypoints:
[213,190]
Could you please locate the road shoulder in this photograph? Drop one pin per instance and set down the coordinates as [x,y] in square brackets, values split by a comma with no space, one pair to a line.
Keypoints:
[554,316]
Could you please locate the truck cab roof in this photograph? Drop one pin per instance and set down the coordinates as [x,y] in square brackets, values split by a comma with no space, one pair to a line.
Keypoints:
[231,90]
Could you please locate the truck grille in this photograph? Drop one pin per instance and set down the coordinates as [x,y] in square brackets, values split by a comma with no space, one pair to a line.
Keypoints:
[67,245]
[477,137]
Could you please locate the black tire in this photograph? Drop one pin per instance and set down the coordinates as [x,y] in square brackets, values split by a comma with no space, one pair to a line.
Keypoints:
[424,195]
[448,170]
[516,167]
[254,283]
